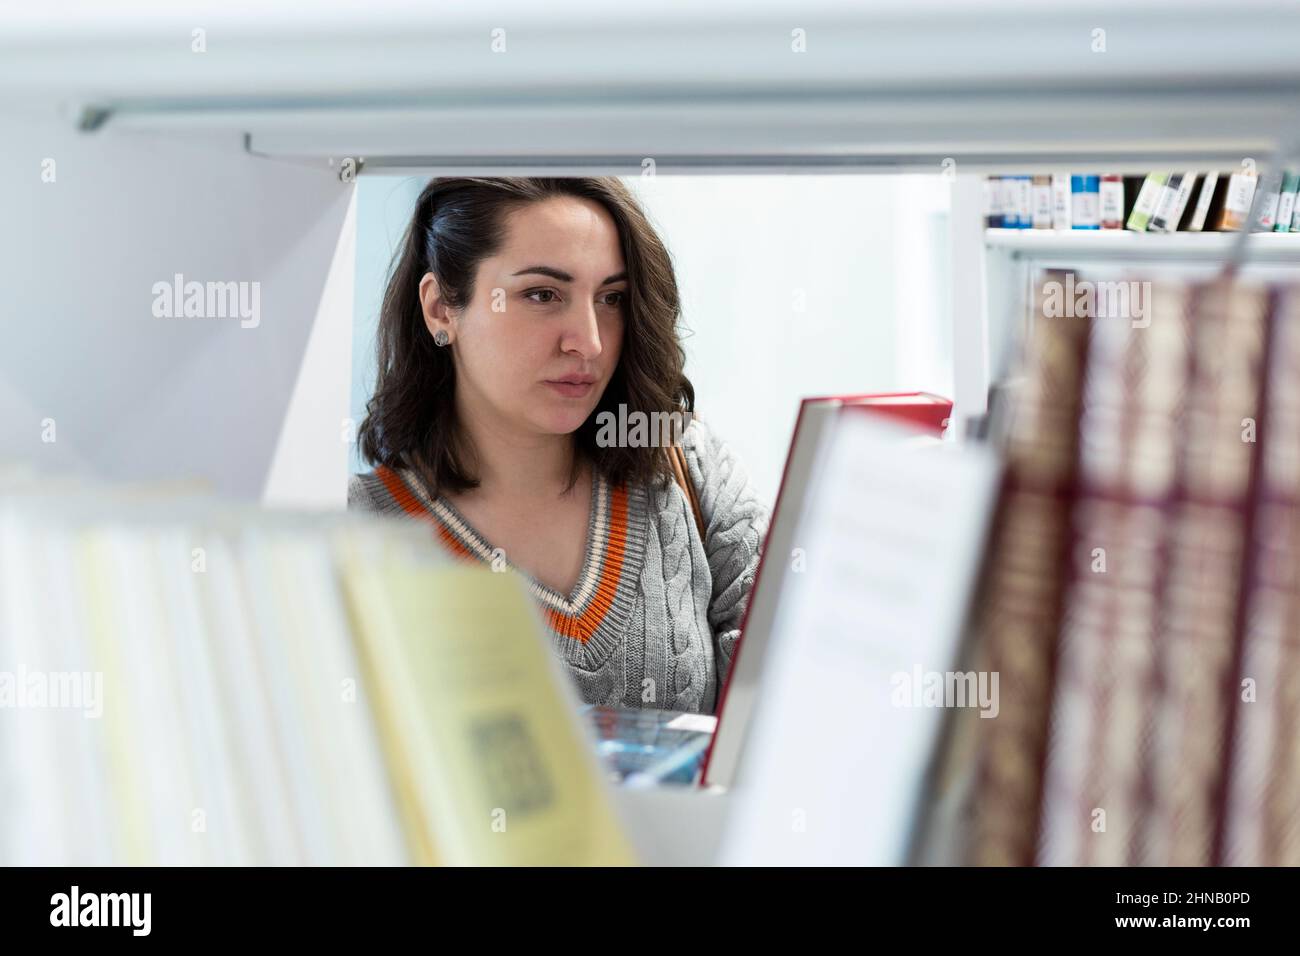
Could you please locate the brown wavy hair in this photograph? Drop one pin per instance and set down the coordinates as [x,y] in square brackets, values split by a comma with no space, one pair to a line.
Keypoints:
[460,221]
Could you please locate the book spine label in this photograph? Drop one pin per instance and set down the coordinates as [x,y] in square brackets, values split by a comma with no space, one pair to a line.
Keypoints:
[1203,203]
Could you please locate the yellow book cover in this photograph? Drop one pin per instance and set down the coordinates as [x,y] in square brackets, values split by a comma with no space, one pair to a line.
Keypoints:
[483,742]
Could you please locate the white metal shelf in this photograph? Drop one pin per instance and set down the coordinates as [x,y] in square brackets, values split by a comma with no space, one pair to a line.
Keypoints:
[1127,246]
[822,85]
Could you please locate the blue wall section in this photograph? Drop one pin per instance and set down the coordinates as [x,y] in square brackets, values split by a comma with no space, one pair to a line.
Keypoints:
[384,205]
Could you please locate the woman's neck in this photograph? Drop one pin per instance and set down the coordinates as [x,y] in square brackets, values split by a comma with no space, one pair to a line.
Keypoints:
[516,465]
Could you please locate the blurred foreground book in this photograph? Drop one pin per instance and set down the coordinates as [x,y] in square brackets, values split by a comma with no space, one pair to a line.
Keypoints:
[479,730]
[188,682]
[1141,593]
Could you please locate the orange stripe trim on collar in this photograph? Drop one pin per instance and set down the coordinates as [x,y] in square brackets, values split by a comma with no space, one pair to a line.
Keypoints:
[579,627]
[415,507]
[582,626]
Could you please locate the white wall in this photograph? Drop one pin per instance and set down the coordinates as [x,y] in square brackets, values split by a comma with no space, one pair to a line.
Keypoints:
[796,286]
[137,396]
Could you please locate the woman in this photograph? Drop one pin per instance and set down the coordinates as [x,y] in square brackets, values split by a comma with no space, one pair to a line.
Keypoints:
[524,316]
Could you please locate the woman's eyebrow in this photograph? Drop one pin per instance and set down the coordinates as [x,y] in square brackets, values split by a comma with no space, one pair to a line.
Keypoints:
[559,275]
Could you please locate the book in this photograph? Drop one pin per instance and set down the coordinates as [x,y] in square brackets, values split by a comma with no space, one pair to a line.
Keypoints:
[1237,202]
[1165,203]
[1086,196]
[864,635]
[1132,187]
[479,720]
[1042,194]
[1062,203]
[1267,200]
[1009,189]
[1173,203]
[1201,595]
[1201,214]
[925,416]
[1149,196]
[993,202]
[1112,201]
[1260,825]
[1024,202]
[997,764]
[1286,201]
[1140,594]
[1134,387]
[187,681]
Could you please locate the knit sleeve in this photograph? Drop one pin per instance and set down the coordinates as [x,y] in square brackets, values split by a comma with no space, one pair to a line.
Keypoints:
[735,522]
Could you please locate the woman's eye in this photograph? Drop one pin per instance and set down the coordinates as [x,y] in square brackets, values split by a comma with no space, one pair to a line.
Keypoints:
[617,297]
[545,292]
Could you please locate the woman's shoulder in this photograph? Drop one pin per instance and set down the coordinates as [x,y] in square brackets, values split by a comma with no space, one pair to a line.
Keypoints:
[361,496]
[368,491]
[702,445]
[720,476]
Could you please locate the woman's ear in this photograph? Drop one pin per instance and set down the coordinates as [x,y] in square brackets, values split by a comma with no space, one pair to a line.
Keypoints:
[438,317]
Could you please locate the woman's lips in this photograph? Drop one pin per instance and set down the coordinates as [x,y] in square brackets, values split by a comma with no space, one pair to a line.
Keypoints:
[571,389]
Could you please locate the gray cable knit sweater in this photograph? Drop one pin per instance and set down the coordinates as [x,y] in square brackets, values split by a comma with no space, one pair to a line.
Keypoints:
[656,613]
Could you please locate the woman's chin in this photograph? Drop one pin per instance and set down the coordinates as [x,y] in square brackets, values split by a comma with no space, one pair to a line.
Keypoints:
[560,421]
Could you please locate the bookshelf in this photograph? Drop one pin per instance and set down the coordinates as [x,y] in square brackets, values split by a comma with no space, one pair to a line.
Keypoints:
[989,86]
[1010,260]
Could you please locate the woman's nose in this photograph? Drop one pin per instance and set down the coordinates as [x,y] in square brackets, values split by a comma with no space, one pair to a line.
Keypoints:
[582,332]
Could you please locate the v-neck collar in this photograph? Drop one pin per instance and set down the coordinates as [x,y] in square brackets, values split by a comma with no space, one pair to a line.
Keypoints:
[592,555]
[590,621]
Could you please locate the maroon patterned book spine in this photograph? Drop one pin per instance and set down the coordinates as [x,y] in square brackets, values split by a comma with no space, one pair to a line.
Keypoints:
[1201,601]
[1135,384]
[1261,819]
[1015,621]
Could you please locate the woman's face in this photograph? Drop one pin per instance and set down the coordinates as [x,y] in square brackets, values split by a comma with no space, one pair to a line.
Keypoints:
[539,341]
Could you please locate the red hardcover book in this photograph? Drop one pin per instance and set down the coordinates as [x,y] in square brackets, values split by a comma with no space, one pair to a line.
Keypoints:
[924,410]
[923,413]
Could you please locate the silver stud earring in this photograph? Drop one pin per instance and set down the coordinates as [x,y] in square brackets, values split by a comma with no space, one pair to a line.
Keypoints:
[441,337]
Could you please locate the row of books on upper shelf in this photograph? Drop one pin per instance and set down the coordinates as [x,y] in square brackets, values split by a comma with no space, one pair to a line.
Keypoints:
[1159,202]
[186,681]
[1140,597]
